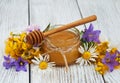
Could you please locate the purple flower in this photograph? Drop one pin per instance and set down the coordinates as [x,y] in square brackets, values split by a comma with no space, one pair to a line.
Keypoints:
[21,64]
[31,28]
[9,62]
[110,61]
[90,35]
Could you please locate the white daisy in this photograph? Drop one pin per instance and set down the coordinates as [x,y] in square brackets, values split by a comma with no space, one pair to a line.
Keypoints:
[89,54]
[42,63]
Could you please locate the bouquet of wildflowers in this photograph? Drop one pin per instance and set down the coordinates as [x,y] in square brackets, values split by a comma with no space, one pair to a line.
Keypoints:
[92,50]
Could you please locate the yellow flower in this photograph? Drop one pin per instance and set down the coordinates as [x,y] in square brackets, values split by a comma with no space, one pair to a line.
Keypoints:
[101,68]
[16,47]
[36,53]
[113,50]
[13,54]
[117,67]
[9,45]
[100,57]
[15,39]
[29,46]
[19,52]
[24,46]
[7,50]
[11,34]
[27,56]
[101,49]
[22,36]
[30,54]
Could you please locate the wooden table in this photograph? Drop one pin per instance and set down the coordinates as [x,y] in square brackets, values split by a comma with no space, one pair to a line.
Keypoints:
[15,15]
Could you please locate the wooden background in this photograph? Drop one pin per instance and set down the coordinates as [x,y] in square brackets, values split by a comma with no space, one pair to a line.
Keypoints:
[15,15]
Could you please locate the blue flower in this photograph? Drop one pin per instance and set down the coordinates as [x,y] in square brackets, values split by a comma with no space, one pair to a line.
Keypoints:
[20,64]
[110,61]
[9,62]
[90,35]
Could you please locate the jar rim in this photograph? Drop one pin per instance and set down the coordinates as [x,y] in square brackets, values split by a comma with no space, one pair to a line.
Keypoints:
[74,29]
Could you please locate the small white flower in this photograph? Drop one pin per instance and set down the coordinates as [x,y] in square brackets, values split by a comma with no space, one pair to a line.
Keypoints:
[42,63]
[89,54]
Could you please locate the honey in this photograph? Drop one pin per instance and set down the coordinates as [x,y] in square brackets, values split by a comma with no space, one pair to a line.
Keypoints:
[63,46]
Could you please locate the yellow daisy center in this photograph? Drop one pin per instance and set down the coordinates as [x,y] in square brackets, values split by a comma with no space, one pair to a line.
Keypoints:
[86,55]
[43,65]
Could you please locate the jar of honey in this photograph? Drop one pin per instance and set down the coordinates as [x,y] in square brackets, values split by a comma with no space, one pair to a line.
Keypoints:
[62,46]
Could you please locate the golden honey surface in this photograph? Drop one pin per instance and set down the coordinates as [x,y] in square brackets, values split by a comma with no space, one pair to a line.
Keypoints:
[66,42]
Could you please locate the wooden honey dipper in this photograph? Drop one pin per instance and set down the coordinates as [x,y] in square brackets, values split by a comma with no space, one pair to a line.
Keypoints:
[36,36]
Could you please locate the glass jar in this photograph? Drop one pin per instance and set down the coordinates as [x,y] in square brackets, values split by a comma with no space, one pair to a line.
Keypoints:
[62,46]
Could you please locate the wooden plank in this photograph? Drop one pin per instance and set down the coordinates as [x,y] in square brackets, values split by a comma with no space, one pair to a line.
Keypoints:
[112,77]
[54,12]
[108,13]
[60,12]
[76,74]
[13,17]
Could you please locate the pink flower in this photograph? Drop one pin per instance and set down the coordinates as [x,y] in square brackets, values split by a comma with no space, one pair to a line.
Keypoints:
[32,28]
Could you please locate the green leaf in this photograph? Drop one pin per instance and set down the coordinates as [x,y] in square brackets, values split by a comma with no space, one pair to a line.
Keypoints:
[47,28]
[81,34]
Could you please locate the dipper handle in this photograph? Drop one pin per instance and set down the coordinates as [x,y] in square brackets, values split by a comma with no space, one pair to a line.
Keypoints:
[71,25]
[36,37]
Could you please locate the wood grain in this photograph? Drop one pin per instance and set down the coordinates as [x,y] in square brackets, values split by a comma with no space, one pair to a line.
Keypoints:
[108,13]
[76,74]
[54,12]
[60,12]
[13,17]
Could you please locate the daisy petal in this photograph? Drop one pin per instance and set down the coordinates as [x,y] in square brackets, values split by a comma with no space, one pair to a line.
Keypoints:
[46,58]
[92,50]
[41,57]
[78,60]
[94,56]
[35,62]
[92,59]
[89,62]
[86,62]
[85,47]
[82,62]
[37,59]
[81,49]
[51,64]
